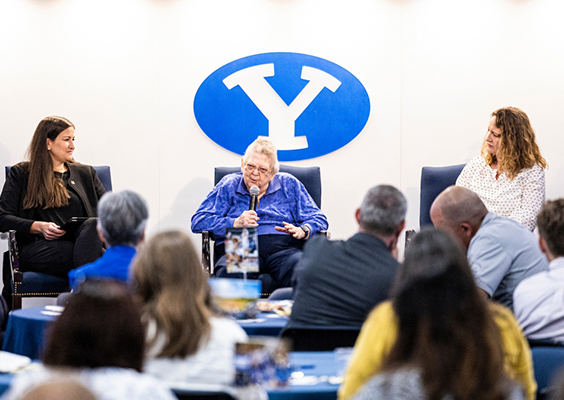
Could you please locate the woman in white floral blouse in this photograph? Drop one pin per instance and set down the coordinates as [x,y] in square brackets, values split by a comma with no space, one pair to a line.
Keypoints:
[509,174]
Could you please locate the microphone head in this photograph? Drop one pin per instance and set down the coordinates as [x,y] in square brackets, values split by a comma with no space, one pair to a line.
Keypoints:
[254,191]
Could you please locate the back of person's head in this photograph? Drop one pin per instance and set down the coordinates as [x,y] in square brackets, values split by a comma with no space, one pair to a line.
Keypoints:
[263,145]
[445,328]
[382,210]
[557,386]
[458,204]
[122,217]
[59,390]
[550,222]
[173,286]
[100,327]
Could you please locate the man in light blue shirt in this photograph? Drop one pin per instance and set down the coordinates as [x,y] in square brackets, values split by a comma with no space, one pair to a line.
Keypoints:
[501,251]
[539,300]
[285,217]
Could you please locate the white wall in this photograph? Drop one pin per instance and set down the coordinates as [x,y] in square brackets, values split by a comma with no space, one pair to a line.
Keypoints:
[126,72]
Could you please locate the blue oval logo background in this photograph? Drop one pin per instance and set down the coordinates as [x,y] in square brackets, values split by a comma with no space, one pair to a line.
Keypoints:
[331,120]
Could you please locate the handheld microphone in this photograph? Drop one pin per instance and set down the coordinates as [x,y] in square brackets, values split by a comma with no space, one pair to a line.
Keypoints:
[254,196]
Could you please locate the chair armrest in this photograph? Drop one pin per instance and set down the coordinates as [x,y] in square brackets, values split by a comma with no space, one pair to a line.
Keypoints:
[206,251]
[408,236]
[17,275]
[13,249]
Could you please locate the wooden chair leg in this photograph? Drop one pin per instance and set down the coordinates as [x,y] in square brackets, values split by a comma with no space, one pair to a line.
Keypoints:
[16,302]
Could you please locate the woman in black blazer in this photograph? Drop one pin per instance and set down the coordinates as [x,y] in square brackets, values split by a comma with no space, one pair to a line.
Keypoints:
[41,194]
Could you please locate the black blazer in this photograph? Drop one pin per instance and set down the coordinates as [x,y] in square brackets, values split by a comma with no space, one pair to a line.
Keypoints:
[340,282]
[83,179]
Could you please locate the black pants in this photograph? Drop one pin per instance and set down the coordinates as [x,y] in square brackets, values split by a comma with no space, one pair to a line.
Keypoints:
[278,254]
[55,257]
[58,257]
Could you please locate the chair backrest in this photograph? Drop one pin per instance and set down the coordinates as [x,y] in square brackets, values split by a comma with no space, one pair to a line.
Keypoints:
[321,338]
[105,176]
[547,362]
[433,181]
[310,177]
[103,172]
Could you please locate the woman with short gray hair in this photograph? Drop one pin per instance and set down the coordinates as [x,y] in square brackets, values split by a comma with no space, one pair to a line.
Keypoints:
[122,218]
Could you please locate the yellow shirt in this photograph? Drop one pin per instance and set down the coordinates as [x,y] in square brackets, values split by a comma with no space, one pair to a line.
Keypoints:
[380,331]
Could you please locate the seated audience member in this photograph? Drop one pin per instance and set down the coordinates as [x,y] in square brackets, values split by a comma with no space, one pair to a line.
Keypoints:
[286,215]
[63,389]
[186,342]
[99,340]
[122,217]
[538,301]
[501,252]
[438,338]
[340,282]
[557,387]
[508,176]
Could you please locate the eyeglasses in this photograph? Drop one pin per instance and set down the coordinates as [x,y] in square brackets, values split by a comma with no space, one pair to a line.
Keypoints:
[251,168]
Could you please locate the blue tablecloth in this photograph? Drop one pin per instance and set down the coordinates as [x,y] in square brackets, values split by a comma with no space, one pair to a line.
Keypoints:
[265,324]
[320,363]
[310,363]
[26,329]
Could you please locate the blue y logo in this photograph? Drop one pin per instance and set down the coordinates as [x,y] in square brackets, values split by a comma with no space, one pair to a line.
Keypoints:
[307,106]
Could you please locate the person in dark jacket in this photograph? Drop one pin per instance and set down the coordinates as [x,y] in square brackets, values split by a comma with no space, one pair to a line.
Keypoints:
[340,282]
[41,194]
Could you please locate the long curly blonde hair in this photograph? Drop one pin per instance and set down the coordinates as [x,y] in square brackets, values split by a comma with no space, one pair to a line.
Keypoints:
[518,149]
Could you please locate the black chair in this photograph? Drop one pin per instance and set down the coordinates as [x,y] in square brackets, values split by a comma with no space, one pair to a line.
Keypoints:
[320,338]
[544,342]
[282,294]
[433,181]
[36,284]
[548,361]
[310,177]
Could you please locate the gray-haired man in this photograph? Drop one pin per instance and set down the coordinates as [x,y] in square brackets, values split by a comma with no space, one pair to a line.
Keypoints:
[339,282]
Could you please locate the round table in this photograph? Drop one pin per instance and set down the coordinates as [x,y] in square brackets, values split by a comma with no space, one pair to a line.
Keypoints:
[26,329]
[313,364]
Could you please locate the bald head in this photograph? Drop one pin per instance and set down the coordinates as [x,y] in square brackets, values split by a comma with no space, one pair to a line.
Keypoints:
[459,211]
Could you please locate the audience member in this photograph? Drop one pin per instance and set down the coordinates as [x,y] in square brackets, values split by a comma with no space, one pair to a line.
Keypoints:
[509,175]
[60,389]
[438,338]
[286,215]
[501,251]
[340,282]
[99,338]
[556,388]
[539,300]
[187,343]
[122,217]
